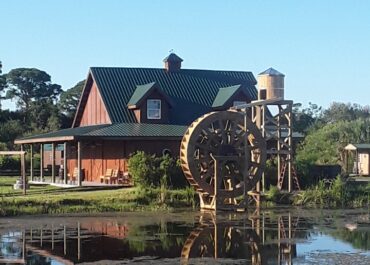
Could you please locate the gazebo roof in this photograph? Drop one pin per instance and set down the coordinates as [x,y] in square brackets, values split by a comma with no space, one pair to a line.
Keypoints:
[357,147]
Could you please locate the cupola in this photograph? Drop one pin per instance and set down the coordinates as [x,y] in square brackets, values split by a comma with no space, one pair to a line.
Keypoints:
[172,63]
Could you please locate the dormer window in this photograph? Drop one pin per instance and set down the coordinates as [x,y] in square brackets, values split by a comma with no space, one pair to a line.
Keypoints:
[153,109]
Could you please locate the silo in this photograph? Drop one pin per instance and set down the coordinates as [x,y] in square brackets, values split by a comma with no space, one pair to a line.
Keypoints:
[270,84]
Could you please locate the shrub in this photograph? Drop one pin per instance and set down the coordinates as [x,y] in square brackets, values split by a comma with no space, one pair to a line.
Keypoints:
[143,169]
[9,162]
[273,193]
[151,171]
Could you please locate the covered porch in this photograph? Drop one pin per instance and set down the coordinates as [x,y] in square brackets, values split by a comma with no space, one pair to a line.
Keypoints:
[98,154]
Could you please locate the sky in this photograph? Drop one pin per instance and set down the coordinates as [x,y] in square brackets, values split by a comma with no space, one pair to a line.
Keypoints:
[322,46]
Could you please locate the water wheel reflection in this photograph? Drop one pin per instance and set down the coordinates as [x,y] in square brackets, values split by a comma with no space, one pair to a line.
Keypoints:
[213,239]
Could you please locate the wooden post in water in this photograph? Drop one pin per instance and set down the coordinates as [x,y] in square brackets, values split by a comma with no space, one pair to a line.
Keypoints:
[52,236]
[78,240]
[24,254]
[41,235]
[65,239]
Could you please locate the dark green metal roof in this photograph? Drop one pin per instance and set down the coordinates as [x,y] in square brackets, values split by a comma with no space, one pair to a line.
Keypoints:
[362,146]
[224,94]
[78,131]
[119,130]
[139,130]
[140,93]
[191,91]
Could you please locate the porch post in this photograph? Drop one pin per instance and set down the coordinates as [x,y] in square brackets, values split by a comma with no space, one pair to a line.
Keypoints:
[65,163]
[23,170]
[53,162]
[31,162]
[79,163]
[41,162]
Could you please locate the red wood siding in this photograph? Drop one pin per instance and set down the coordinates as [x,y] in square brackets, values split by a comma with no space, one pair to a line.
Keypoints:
[94,111]
[96,158]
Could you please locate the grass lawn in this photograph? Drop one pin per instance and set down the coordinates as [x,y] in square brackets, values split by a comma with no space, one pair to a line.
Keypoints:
[55,200]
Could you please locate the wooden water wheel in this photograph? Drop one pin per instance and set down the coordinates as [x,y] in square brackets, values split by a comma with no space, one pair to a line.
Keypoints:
[223,156]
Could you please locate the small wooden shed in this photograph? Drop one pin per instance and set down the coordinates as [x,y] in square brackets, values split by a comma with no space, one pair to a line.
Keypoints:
[361,163]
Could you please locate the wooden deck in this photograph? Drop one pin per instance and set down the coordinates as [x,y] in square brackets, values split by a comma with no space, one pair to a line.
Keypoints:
[73,185]
[358,178]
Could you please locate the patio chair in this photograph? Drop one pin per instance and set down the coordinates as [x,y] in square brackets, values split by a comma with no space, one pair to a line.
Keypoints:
[114,177]
[74,175]
[106,177]
[125,179]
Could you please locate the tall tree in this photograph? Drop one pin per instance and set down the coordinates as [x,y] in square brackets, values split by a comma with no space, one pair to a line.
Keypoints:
[2,82]
[305,118]
[69,99]
[26,85]
[68,103]
[345,112]
[44,116]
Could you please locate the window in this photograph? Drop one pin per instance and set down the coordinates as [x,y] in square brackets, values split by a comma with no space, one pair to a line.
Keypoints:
[263,94]
[238,103]
[154,109]
[166,151]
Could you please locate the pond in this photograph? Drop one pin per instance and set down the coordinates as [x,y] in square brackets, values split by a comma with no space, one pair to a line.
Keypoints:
[271,236]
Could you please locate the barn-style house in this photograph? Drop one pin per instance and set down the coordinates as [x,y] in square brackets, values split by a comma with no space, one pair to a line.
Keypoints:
[122,110]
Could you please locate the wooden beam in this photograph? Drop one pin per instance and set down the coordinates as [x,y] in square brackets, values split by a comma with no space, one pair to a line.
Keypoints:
[23,170]
[65,169]
[12,152]
[79,163]
[31,162]
[12,261]
[41,162]
[53,162]
[45,140]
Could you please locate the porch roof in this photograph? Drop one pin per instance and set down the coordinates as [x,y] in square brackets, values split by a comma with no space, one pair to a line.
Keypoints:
[358,147]
[108,131]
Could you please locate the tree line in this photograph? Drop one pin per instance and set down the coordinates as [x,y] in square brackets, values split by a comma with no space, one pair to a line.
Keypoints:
[40,104]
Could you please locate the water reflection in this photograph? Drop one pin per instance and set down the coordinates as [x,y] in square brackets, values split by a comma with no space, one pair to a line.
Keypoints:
[253,238]
[258,238]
